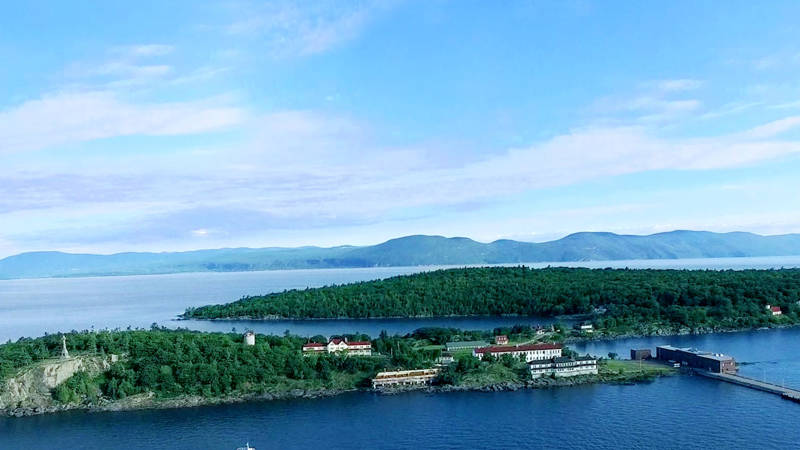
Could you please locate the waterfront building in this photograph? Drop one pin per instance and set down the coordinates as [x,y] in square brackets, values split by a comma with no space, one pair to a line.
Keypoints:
[249,338]
[530,352]
[697,359]
[563,366]
[336,345]
[464,345]
[641,353]
[585,327]
[775,310]
[501,339]
[404,377]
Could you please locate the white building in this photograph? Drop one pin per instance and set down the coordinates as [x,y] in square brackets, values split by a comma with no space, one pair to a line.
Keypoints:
[563,367]
[775,310]
[404,377]
[249,338]
[529,352]
[362,348]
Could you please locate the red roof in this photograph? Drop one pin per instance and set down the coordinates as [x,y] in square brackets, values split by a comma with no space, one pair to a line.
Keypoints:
[521,348]
[336,341]
[776,309]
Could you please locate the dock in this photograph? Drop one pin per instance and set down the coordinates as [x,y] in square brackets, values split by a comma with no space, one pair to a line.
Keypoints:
[784,392]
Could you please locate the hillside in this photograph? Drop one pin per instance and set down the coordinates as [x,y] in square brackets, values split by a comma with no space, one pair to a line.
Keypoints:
[407,251]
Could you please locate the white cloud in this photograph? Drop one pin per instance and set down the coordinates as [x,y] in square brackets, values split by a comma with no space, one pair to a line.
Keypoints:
[676,85]
[654,102]
[145,50]
[774,128]
[314,171]
[293,30]
[69,117]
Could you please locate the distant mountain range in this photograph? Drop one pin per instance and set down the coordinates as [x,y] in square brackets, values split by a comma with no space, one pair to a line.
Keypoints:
[407,251]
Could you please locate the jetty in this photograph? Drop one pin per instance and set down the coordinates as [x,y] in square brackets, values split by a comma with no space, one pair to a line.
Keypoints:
[713,365]
[784,392]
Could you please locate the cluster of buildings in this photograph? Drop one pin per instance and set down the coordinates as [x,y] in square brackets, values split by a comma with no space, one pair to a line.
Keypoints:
[338,345]
[543,359]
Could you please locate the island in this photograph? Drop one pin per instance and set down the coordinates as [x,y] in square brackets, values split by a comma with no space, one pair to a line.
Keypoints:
[161,368]
[611,302]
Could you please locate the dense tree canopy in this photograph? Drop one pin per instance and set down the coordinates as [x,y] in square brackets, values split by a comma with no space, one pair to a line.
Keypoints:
[172,363]
[614,296]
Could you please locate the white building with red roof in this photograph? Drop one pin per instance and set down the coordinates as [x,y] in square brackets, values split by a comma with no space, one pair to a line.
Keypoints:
[530,352]
[775,310]
[335,345]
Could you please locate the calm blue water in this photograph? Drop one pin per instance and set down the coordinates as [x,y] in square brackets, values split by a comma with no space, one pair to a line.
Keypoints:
[671,413]
[32,307]
[676,412]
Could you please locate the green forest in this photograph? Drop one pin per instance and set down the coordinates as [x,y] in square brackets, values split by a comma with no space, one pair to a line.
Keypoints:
[173,363]
[180,363]
[613,298]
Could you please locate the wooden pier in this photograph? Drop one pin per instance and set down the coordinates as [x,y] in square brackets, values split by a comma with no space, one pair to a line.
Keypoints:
[784,392]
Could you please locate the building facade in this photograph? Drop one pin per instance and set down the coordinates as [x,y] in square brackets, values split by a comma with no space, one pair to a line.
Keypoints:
[464,345]
[404,378]
[501,339]
[249,338]
[563,367]
[529,352]
[696,359]
[361,348]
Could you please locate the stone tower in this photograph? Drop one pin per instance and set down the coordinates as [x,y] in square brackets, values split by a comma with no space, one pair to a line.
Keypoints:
[64,352]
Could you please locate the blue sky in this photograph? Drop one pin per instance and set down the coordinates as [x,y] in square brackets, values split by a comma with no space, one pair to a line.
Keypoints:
[178,125]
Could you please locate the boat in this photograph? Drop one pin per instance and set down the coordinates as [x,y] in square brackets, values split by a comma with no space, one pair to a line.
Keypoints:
[246,447]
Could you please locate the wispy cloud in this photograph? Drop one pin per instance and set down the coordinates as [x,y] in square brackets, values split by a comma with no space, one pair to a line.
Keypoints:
[653,102]
[290,29]
[776,61]
[304,169]
[70,117]
[676,85]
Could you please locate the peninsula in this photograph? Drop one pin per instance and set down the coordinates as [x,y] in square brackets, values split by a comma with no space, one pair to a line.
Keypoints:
[160,368]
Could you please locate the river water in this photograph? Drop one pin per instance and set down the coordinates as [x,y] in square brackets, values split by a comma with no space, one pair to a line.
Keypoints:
[674,412]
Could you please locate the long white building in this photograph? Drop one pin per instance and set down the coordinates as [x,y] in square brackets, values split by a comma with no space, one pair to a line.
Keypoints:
[563,366]
[404,377]
[530,352]
[362,348]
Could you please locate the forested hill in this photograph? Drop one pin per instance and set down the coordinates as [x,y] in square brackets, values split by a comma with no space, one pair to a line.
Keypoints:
[731,299]
[407,251]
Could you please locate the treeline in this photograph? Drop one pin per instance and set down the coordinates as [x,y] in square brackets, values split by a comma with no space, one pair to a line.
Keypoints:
[614,296]
[173,363]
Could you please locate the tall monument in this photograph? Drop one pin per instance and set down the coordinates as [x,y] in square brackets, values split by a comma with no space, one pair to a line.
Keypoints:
[64,352]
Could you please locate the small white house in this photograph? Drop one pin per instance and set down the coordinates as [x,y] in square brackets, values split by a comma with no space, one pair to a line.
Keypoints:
[775,310]
[249,338]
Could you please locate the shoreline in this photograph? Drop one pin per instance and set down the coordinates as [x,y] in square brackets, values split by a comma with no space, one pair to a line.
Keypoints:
[148,402]
[566,317]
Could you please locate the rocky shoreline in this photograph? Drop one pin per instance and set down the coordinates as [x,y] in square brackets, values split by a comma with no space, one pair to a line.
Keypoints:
[148,401]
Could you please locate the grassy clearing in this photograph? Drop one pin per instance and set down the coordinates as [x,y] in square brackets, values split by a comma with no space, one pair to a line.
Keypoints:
[632,370]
